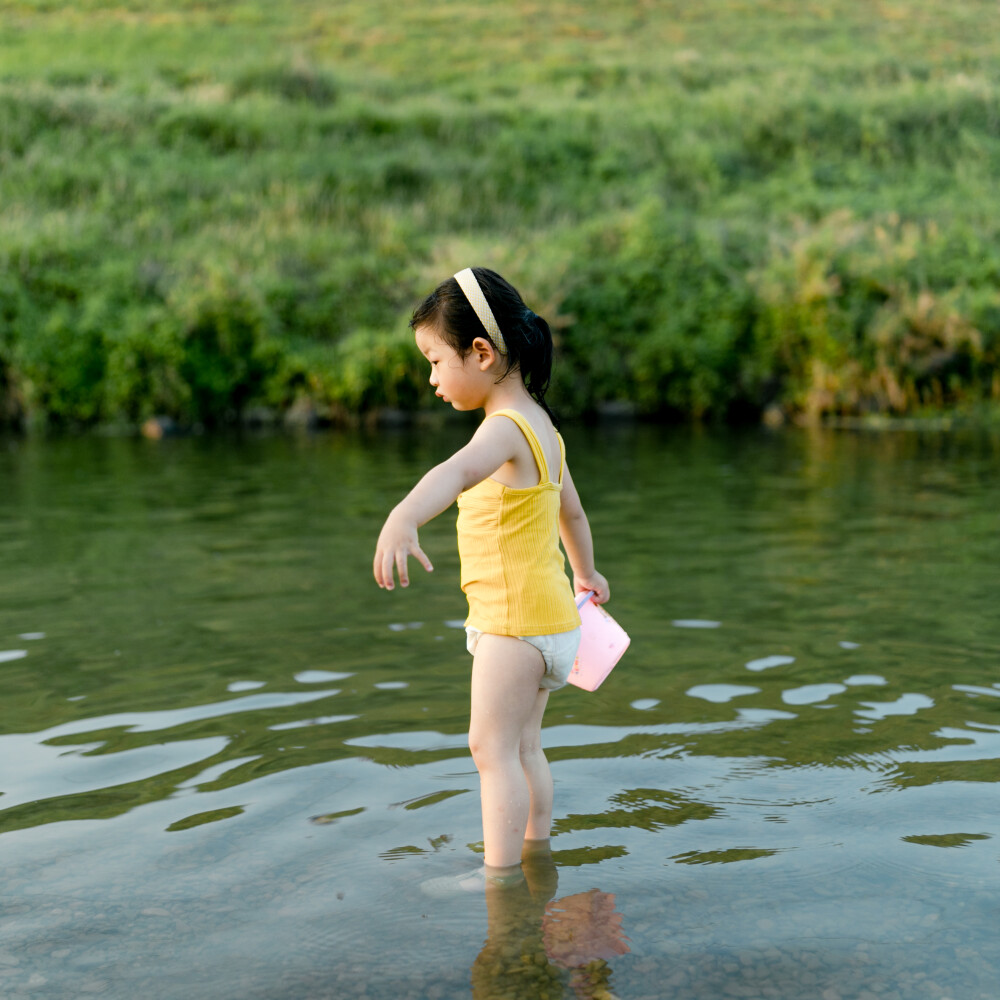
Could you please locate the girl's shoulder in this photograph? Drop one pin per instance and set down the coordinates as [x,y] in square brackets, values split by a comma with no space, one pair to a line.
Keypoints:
[534,418]
[540,438]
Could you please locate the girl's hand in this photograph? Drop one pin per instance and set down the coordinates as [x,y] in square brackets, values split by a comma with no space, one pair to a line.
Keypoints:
[594,581]
[396,543]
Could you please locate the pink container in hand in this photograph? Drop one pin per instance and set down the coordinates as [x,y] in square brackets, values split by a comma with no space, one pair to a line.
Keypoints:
[602,642]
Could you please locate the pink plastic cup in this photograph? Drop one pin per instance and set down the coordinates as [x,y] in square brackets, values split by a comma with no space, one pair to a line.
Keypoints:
[602,642]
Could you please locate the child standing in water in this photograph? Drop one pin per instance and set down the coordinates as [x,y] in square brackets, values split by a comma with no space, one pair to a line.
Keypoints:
[516,499]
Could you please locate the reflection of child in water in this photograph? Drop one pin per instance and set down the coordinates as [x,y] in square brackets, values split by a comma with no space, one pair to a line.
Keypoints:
[536,948]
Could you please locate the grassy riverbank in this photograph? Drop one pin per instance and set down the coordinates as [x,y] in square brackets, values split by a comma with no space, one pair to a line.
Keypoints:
[725,209]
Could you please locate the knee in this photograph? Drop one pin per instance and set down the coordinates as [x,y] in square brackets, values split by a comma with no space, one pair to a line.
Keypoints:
[486,749]
[480,747]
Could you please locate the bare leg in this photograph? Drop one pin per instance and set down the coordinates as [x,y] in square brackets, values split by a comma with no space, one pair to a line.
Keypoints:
[536,772]
[505,676]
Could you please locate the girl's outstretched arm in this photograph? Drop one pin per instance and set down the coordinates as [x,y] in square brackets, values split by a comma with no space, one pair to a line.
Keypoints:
[493,444]
[574,530]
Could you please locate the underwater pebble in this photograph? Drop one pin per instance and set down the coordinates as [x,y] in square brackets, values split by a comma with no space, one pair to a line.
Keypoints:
[855,679]
[849,645]
[766,662]
[245,685]
[391,685]
[31,635]
[694,623]
[12,654]
[644,703]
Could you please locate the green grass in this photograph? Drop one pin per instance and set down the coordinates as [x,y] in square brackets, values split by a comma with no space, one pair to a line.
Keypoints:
[723,208]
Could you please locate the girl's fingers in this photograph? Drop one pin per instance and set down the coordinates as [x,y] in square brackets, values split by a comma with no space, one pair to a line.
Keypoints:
[386,560]
[599,586]
[420,556]
[387,580]
[404,576]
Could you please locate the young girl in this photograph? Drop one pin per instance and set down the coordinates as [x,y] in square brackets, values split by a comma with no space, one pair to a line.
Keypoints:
[516,499]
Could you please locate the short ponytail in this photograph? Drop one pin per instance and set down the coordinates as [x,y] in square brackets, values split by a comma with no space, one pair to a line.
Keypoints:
[536,361]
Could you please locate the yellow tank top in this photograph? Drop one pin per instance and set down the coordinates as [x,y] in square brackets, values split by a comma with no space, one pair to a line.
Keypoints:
[513,571]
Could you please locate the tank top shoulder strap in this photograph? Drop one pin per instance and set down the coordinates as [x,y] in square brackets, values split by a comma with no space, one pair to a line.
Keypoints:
[562,456]
[533,443]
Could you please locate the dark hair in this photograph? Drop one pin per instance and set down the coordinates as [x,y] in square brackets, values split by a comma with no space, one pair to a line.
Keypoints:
[527,336]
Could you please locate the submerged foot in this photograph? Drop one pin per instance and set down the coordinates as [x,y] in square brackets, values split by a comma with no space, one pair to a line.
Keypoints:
[474,881]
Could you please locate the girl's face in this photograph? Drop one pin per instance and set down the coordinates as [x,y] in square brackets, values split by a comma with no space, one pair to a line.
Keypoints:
[460,381]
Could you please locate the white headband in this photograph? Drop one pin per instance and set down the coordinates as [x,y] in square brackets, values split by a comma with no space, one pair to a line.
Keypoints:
[467,282]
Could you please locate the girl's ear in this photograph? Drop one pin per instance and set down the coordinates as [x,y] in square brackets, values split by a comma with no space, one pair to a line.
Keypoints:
[484,353]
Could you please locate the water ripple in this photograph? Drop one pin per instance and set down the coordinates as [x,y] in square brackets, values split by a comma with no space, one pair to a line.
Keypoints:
[144,722]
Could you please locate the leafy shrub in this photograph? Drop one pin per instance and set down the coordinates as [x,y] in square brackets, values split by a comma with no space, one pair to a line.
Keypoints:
[372,370]
[824,318]
[145,367]
[64,366]
[227,352]
[660,313]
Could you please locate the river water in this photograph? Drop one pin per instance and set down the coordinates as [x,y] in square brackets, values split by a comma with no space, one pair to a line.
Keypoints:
[229,764]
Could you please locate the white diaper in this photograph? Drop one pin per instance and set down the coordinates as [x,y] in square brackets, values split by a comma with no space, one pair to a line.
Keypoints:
[558,651]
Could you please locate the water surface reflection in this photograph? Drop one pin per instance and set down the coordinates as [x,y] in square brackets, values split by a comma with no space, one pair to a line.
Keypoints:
[223,749]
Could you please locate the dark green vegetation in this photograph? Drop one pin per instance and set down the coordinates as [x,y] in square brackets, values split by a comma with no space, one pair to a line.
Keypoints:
[720,206]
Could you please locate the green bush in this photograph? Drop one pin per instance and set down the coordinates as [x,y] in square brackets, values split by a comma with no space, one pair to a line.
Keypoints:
[661,314]
[227,348]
